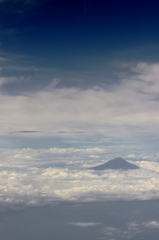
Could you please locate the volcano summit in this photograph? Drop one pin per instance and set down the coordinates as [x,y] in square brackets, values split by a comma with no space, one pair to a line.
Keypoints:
[116,163]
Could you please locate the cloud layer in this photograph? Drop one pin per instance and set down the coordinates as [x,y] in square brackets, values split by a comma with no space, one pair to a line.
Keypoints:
[122,109]
[41,176]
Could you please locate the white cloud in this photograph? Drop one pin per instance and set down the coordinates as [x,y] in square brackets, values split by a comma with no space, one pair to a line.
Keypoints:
[5,80]
[85,224]
[75,150]
[32,176]
[130,107]
[152,224]
[53,84]
[132,156]
[94,156]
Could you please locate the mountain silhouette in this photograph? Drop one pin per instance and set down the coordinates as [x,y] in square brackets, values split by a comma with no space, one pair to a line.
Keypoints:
[116,163]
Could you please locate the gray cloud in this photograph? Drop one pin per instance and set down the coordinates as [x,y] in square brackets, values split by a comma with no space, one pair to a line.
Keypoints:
[133,230]
[85,224]
[113,233]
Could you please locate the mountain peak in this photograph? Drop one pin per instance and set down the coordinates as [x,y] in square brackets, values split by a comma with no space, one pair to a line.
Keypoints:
[116,163]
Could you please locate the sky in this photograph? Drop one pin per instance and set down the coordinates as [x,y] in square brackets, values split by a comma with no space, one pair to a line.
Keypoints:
[79,86]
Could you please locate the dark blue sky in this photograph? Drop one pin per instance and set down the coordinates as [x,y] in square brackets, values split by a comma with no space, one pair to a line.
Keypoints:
[78,35]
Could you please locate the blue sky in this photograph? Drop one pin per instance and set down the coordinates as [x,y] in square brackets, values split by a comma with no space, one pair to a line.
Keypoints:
[76,37]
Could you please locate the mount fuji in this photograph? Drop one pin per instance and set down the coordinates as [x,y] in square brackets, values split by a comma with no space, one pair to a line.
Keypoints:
[116,163]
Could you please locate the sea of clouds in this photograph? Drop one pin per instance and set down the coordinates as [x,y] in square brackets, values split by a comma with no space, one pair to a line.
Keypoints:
[40,176]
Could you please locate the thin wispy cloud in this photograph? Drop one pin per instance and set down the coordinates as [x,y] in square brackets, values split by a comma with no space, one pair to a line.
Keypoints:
[152,224]
[85,224]
[6,80]
[120,110]
[133,230]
